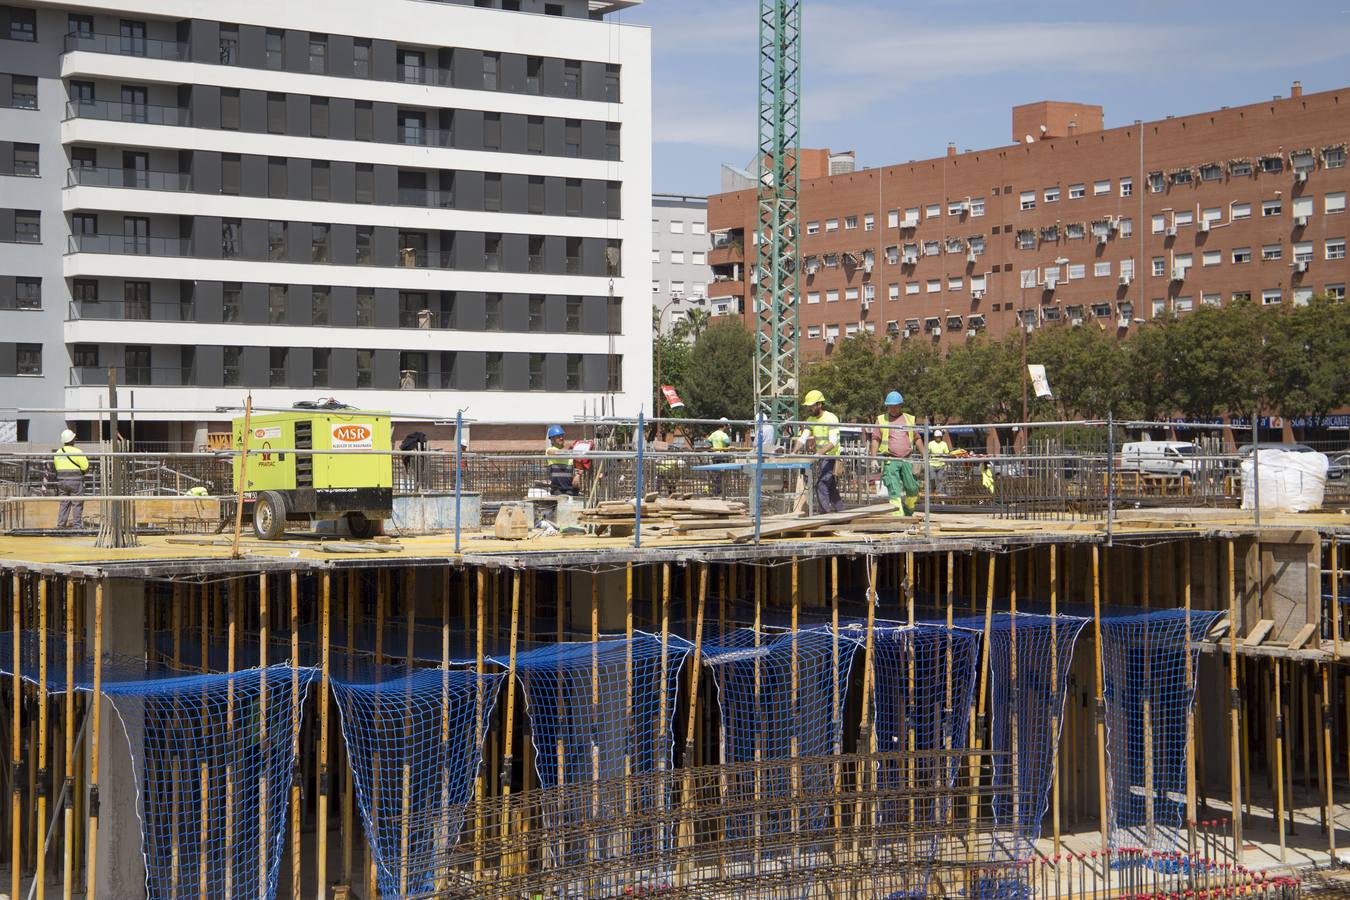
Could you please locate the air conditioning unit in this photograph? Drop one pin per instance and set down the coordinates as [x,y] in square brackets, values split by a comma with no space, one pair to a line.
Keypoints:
[1125,280]
[970,332]
[812,267]
[866,304]
[965,206]
[1178,273]
[1051,281]
[1101,240]
[1202,225]
[1123,322]
[1171,231]
[936,332]
[909,223]
[1076,322]
[867,264]
[829,342]
[1300,177]
[1300,267]
[909,259]
[1115,224]
[977,294]
[970,256]
[1300,221]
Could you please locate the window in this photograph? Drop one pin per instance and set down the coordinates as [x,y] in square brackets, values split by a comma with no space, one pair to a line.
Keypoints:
[955,283]
[1028,199]
[1156,183]
[318,117]
[1101,270]
[869,222]
[361,58]
[831,260]
[1272,164]
[22,25]
[1159,266]
[28,359]
[23,92]
[26,160]
[1126,187]
[365,368]
[977,206]
[1052,194]
[1101,187]
[365,307]
[1335,248]
[1212,257]
[813,228]
[893,218]
[911,287]
[612,141]
[933,286]
[492,64]
[1127,268]
[831,225]
[318,54]
[932,248]
[1183,305]
[365,183]
[1271,252]
[956,207]
[1077,191]
[813,332]
[1159,224]
[893,292]
[1182,218]
[813,297]
[28,293]
[276,304]
[132,35]
[1271,296]
[229,45]
[698,227]
[1211,215]
[1241,211]
[1076,271]
[698,258]
[318,239]
[1335,291]
[1242,255]
[84,356]
[850,223]
[492,192]
[27,226]
[229,109]
[83,223]
[1026,239]
[572,256]
[1335,203]
[933,211]
[677,257]
[86,290]
[832,296]
[1074,231]
[1211,172]
[411,66]
[1270,208]
[611,83]
[1182,176]
[851,294]
[276,240]
[571,84]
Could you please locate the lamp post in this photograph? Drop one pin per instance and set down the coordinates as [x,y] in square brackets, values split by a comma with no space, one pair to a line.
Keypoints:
[660,337]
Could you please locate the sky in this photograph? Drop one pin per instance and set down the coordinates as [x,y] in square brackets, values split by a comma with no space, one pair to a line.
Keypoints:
[896,80]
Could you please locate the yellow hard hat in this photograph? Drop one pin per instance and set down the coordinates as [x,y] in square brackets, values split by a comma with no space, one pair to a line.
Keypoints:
[812,398]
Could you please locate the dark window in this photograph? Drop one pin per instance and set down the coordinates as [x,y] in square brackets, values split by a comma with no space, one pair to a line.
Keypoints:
[318,243]
[535,195]
[319,301]
[276,240]
[318,54]
[85,290]
[412,66]
[321,366]
[22,25]
[276,113]
[134,103]
[364,125]
[613,199]
[28,359]
[573,261]
[230,241]
[230,358]
[534,68]
[23,92]
[361,58]
[572,322]
[365,183]
[365,368]
[136,300]
[275,43]
[611,83]
[412,370]
[536,261]
[28,293]
[229,302]
[492,192]
[571,83]
[411,307]
[492,252]
[615,322]
[364,237]
[536,306]
[229,109]
[27,226]
[493,366]
[229,173]
[553,9]
[137,360]
[318,117]
[320,181]
[614,383]
[26,159]
[492,63]
[572,197]
[612,141]
[229,45]
[81,26]
[492,131]
[83,223]
[613,257]
[365,307]
[492,312]
[574,371]
[536,361]
[571,137]
[136,235]
[276,304]
[276,366]
[534,128]
[411,127]
[84,356]
[133,37]
[135,169]
[276,176]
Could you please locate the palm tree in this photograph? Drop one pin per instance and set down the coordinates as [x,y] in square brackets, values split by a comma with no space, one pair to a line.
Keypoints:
[692,326]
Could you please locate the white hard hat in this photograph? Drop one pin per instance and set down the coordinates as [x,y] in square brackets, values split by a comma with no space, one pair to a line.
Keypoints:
[937,432]
[724,420]
[67,437]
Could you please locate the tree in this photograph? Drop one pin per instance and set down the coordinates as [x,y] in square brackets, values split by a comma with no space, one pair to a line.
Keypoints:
[692,326]
[1308,359]
[1084,366]
[1220,360]
[719,380]
[851,378]
[1150,371]
[670,357]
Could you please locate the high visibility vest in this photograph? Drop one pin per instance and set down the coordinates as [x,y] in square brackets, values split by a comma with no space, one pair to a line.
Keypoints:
[987,479]
[556,463]
[70,459]
[937,450]
[885,424]
[719,440]
[825,427]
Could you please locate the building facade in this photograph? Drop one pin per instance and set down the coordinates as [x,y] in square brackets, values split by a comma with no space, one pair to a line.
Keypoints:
[423,210]
[1072,225]
[680,272]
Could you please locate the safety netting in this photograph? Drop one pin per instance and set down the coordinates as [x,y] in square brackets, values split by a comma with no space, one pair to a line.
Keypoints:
[1149,699]
[415,741]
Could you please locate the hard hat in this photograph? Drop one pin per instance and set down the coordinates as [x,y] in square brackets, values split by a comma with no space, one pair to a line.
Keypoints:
[937,432]
[894,398]
[724,420]
[812,398]
[555,431]
[67,437]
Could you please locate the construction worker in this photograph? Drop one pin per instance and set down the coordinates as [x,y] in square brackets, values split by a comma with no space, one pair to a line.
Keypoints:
[894,440]
[987,477]
[938,449]
[563,475]
[70,464]
[719,441]
[823,432]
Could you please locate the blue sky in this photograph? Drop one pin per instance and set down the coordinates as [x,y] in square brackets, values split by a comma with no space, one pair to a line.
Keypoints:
[897,79]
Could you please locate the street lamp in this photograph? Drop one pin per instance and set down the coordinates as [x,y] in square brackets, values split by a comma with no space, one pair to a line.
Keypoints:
[660,335]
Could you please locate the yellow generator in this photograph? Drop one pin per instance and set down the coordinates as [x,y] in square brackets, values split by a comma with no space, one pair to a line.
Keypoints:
[349,476]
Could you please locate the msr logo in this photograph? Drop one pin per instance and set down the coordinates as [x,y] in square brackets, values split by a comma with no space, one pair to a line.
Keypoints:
[350,434]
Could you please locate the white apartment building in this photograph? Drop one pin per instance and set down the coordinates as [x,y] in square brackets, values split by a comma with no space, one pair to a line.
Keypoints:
[415,206]
[680,268]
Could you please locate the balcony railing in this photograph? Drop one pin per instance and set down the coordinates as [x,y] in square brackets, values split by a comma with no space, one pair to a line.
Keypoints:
[123,45]
[154,376]
[129,245]
[108,176]
[426,198]
[115,111]
[130,311]
[425,137]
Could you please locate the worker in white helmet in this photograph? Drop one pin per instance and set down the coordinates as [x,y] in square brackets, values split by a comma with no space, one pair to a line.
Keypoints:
[70,465]
[938,450]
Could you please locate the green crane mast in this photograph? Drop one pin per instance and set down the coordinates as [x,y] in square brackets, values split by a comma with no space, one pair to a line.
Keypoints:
[775,283]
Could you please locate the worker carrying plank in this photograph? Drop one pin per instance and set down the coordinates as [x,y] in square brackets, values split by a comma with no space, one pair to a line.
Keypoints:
[823,432]
[894,441]
[563,475]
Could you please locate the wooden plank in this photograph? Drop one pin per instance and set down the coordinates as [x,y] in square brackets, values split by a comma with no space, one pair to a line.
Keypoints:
[787,524]
[1259,633]
[1302,636]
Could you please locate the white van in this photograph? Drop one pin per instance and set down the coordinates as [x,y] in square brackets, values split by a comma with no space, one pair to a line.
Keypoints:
[1176,458]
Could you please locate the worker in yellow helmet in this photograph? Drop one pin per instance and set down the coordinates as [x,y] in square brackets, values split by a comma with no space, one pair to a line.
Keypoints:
[70,464]
[823,431]
[893,440]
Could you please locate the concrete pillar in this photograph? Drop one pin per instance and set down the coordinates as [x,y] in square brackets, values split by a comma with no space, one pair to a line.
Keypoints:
[121,865]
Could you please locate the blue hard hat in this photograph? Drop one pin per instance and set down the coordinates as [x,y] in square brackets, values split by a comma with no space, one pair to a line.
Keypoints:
[555,431]
[894,399]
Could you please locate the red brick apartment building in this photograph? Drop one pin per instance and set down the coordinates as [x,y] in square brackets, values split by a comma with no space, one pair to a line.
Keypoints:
[1071,225]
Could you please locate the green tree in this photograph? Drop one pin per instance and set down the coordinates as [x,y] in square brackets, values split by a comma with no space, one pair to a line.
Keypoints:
[1085,369]
[1149,367]
[851,378]
[671,356]
[719,380]
[1220,359]
[1308,359]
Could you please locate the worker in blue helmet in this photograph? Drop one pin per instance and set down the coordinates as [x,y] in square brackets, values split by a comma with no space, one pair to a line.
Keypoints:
[893,441]
[563,475]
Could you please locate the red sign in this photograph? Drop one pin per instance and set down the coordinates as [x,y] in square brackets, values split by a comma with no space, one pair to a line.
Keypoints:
[672,399]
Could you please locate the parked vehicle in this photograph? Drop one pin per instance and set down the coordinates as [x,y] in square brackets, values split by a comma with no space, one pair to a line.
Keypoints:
[1170,458]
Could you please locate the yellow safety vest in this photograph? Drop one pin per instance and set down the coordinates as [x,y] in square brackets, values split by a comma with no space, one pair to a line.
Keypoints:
[719,440]
[987,479]
[885,424]
[70,459]
[827,429]
[551,450]
[937,450]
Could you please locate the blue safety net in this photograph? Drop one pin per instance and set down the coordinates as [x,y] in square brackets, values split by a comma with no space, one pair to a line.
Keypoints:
[214,760]
[415,743]
[1148,702]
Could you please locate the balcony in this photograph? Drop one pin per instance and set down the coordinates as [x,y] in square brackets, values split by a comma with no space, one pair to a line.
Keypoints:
[728,254]
[425,137]
[141,113]
[126,45]
[426,199]
[129,245]
[107,176]
[727,288]
[130,311]
[150,376]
